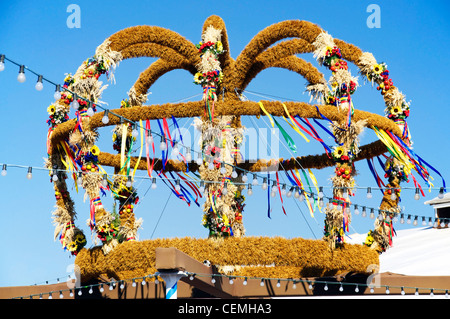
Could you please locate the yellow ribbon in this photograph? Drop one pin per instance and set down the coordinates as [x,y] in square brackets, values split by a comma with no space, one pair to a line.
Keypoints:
[142,147]
[293,125]
[122,148]
[267,113]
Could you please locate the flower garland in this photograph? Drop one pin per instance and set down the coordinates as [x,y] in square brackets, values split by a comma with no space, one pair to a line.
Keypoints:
[79,152]
[343,85]
[209,74]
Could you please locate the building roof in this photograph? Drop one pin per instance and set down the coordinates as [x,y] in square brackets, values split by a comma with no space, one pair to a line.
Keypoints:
[439,202]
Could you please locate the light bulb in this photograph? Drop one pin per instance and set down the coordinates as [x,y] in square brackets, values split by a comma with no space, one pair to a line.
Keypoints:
[402,218]
[199,159]
[261,283]
[408,220]
[90,111]
[249,190]
[135,132]
[225,189]
[372,215]
[79,179]
[424,223]
[4,172]
[154,183]
[2,62]
[415,221]
[105,181]
[245,282]
[244,178]
[393,196]
[162,145]
[149,139]
[75,103]
[55,177]
[234,174]
[177,186]
[369,192]
[223,170]
[21,77]
[61,295]
[129,183]
[356,210]
[175,151]
[441,193]
[320,195]
[39,85]
[29,173]
[188,154]
[417,195]
[289,193]
[301,196]
[255,180]
[211,166]
[105,118]
[364,213]
[283,190]
[264,184]
[57,94]
[202,187]
[278,283]
[296,192]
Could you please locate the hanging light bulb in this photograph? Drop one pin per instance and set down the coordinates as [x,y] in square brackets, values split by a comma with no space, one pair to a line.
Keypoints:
[234,174]
[441,193]
[393,195]
[320,195]
[55,177]
[57,94]
[278,283]
[249,189]
[105,181]
[372,215]
[75,103]
[402,218]
[175,150]
[61,294]
[39,85]
[283,190]
[408,220]
[154,183]
[21,77]
[415,222]
[202,187]
[245,281]
[162,145]
[264,184]
[225,188]
[380,216]
[424,223]
[364,213]
[261,283]
[29,173]
[177,185]
[255,180]
[356,210]
[296,192]
[273,189]
[90,110]
[129,182]
[417,195]
[105,118]
[223,170]
[149,138]
[199,159]
[211,165]
[289,193]
[188,154]
[4,172]
[2,62]
[244,178]
[134,131]
[301,196]
[369,192]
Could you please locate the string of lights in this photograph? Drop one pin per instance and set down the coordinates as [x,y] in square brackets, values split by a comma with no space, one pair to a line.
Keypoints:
[150,133]
[362,210]
[312,284]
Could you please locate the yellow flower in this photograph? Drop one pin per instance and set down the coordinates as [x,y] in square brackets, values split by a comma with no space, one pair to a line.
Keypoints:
[219,46]
[197,76]
[338,152]
[72,246]
[396,110]
[51,109]
[377,68]
[95,150]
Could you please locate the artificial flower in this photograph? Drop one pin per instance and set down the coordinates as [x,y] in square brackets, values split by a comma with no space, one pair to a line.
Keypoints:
[72,246]
[338,152]
[219,46]
[396,110]
[377,68]
[95,150]
[51,109]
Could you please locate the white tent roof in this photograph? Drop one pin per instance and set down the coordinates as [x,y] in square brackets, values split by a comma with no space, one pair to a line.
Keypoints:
[416,252]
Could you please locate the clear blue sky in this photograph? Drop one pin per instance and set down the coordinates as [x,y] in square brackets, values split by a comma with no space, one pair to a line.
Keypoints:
[412,40]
